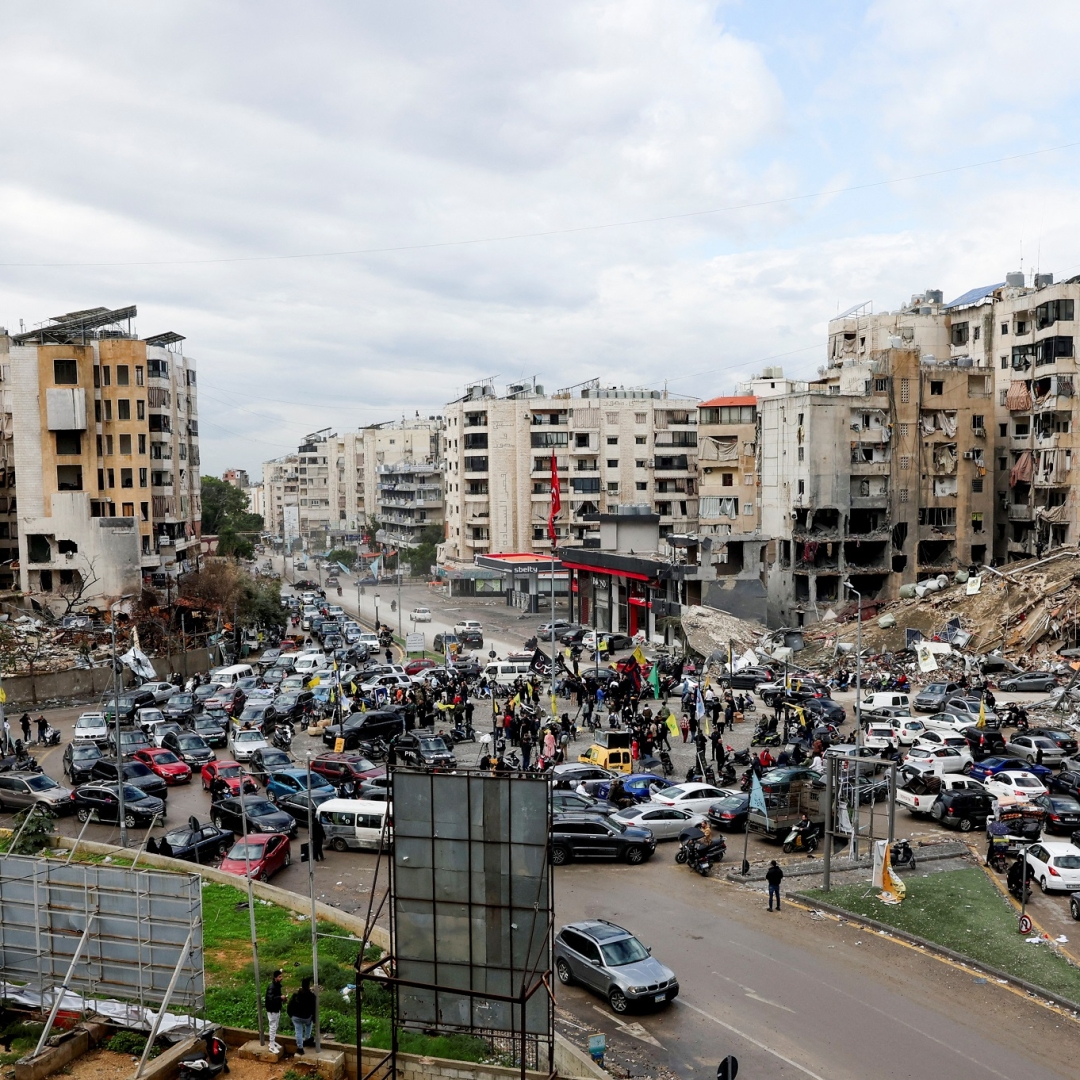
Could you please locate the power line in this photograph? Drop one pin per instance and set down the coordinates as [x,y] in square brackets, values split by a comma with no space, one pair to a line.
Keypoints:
[569,231]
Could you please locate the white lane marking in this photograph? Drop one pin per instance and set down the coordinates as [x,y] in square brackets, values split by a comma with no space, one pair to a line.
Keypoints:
[750,1039]
[753,995]
[635,1031]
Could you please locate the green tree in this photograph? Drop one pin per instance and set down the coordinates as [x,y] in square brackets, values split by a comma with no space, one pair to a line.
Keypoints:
[422,557]
[343,556]
[225,515]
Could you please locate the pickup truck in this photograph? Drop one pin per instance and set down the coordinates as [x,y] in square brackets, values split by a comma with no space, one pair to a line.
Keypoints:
[919,793]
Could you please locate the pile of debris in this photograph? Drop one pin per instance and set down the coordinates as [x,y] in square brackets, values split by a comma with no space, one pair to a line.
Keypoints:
[709,630]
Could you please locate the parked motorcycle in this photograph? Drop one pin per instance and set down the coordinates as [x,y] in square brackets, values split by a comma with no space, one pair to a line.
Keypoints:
[283,736]
[1019,888]
[901,854]
[695,853]
[763,737]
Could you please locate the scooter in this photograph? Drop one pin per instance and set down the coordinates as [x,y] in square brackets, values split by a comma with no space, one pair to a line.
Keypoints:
[700,856]
[902,855]
[204,1064]
[283,736]
[767,738]
[796,841]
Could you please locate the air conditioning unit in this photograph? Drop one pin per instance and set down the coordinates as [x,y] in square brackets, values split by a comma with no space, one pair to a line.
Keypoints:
[969,455]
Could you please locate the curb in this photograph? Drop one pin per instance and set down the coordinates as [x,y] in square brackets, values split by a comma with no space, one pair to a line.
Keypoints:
[805,869]
[931,946]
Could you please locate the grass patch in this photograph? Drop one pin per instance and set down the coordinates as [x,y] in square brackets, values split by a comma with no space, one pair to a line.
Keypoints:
[456,1047]
[963,911]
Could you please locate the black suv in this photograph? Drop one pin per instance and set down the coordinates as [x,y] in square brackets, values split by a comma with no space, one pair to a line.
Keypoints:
[136,774]
[365,727]
[262,816]
[583,836]
[747,678]
[79,761]
[425,750]
[129,705]
[101,802]
[472,639]
[190,748]
[963,810]
[268,759]
[984,743]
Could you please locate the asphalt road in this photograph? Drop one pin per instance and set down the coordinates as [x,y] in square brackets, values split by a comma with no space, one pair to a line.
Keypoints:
[793,996]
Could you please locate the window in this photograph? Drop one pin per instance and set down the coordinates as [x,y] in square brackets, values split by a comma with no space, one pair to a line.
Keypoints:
[123,378]
[802,453]
[142,444]
[903,431]
[612,463]
[939,516]
[905,461]
[68,442]
[978,423]
[125,448]
[585,485]
[144,508]
[1021,429]
[905,390]
[613,487]
[549,438]
[640,440]
[69,477]
[802,487]
[1049,313]
[101,485]
[903,494]
[641,463]
[1004,327]
[959,334]
[126,479]
[881,386]
[123,409]
[158,368]
[1021,326]
[1004,363]
[976,523]
[640,417]
[976,483]
[97,376]
[139,381]
[476,464]
[108,410]
[140,410]
[142,481]
[1003,463]
[640,485]
[190,378]
[65,372]
[476,440]
[127,510]
[108,445]
[106,375]
[97,411]
[975,333]
[1003,430]
[937,388]
[613,440]
[727,480]
[581,440]
[1049,349]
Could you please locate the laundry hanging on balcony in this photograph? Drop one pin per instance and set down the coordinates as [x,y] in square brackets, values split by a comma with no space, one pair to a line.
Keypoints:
[1018,398]
[1023,470]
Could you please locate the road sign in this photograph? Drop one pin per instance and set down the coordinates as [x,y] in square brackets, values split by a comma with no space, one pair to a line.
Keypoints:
[414,643]
[728,1069]
[339,746]
[1025,924]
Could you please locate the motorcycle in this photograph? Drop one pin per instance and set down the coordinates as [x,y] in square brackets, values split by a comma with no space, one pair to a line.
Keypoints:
[763,737]
[901,854]
[798,841]
[283,736]
[699,856]
[460,734]
[1018,888]
[204,1064]
[665,762]
[739,757]
[727,773]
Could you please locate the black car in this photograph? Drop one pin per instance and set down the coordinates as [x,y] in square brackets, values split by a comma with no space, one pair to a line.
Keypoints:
[823,708]
[136,774]
[190,748]
[472,639]
[268,759]
[79,761]
[260,714]
[181,707]
[984,743]
[730,813]
[101,802]
[1062,812]
[209,729]
[747,678]
[365,727]
[195,842]
[573,802]
[465,665]
[423,750]
[129,705]
[584,836]
[295,706]
[1063,739]
[296,804]
[262,816]
[1030,681]
[963,810]
[1066,782]
[567,777]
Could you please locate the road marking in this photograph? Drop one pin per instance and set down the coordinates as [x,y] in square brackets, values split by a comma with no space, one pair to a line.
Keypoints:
[636,1031]
[750,1039]
[753,995]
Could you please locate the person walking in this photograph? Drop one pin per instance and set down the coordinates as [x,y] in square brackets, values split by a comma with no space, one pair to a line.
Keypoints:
[318,835]
[24,723]
[42,729]
[301,1011]
[272,1002]
[774,875]
[526,739]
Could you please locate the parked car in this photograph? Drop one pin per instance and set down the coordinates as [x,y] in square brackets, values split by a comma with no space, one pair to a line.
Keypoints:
[339,768]
[162,691]
[296,706]
[1030,682]
[91,727]
[209,729]
[989,767]
[189,747]
[747,678]
[919,791]
[1064,740]
[201,843]
[1021,785]
[133,741]
[415,667]
[262,815]
[268,759]
[730,813]
[229,698]
[1054,865]
[260,856]
[1067,782]
[289,781]
[664,822]
[259,714]
[1062,812]
[165,764]
[134,773]
[560,626]
[962,809]
[19,790]
[79,760]
[585,836]
[906,728]
[935,738]
[1036,749]
[128,704]
[243,743]
[577,802]
[231,772]
[823,709]
[696,797]
[887,703]
[984,743]
[299,804]
[932,698]
[182,707]
[365,727]
[101,802]
[610,961]
[571,773]
[424,750]
[971,708]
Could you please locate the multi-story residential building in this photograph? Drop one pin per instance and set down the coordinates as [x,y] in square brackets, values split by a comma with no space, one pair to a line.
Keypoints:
[612,447]
[105,443]
[237,477]
[279,486]
[410,500]
[9,522]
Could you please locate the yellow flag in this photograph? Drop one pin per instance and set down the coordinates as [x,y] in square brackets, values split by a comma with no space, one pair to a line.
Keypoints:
[639,656]
[982,715]
[3,696]
[314,682]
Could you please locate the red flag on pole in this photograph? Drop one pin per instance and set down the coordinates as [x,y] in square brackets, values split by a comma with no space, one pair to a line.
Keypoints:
[556,500]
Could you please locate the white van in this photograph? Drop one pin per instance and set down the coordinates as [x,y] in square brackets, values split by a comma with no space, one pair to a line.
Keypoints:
[504,672]
[230,676]
[354,823]
[309,663]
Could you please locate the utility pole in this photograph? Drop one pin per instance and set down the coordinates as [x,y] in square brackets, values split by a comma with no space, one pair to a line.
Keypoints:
[311,890]
[116,722]
[858,715]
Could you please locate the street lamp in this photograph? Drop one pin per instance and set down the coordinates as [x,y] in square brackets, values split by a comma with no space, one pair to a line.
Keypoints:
[376,612]
[858,710]
[116,719]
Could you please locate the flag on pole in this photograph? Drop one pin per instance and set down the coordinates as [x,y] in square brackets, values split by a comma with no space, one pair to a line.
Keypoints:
[639,656]
[556,500]
[982,715]
[757,797]
[654,682]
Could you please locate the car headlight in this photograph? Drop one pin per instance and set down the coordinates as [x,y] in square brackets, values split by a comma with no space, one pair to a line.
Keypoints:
[638,989]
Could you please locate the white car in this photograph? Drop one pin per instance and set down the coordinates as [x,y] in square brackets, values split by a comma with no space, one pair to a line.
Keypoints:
[954,722]
[935,737]
[1055,866]
[664,822]
[920,793]
[946,759]
[162,691]
[694,797]
[1020,785]
[906,728]
[244,743]
[881,737]
[336,611]
[420,614]
[91,728]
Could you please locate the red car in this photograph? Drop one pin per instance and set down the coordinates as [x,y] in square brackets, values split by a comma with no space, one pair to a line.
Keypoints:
[265,853]
[231,772]
[166,765]
[228,698]
[414,667]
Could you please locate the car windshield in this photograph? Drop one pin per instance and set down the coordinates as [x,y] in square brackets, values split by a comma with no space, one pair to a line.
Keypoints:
[182,699]
[434,744]
[190,742]
[275,758]
[935,688]
[85,751]
[41,783]
[166,758]
[248,736]
[1067,862]
[258,807]
[90,721]
[673,792]
[243,851]
[732,802]
[625,951]
[229,770]
[178,838]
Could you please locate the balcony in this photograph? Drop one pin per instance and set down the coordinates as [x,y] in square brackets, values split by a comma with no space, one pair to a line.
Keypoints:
[1020,512]
[590,449]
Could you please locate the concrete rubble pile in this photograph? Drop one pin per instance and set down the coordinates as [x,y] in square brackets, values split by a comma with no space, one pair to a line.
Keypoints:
[49,647]
[709,630]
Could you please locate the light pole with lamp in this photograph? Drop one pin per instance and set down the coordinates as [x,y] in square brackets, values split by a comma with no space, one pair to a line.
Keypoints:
[116,720]
[376,613]
[858,711]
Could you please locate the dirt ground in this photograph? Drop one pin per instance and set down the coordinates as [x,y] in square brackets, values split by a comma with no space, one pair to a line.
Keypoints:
[105,1065]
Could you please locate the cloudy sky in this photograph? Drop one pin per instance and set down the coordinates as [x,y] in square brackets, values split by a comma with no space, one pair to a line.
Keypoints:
[645,192]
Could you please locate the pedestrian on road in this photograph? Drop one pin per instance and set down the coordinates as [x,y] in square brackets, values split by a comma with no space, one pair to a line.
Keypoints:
[774,875]
[273,1009]
[302,1013]
[318,835]
[24,723]
[42,729]
[684,726]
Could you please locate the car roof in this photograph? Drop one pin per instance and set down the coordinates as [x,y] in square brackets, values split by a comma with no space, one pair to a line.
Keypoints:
[599,929]
[1060,847]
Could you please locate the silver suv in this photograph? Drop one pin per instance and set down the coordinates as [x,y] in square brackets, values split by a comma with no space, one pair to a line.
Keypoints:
[19,790]
[609,960]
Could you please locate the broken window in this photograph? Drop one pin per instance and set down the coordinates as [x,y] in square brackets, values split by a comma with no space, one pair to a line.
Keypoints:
[1049,349]
[976,522]
[959,333]
[38,548]
[69,478]
[937,388]
[65,372]
[939,517]
[68,443]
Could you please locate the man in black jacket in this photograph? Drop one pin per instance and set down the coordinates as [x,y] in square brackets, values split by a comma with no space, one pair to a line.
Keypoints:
[273,1009]
[301,1009]
[774,875]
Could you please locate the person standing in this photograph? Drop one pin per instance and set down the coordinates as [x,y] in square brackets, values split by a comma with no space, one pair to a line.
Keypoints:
[42,729]
[318,835]
[774,875]
[24,723]
[272,1002]
[302,1013]
[526,740]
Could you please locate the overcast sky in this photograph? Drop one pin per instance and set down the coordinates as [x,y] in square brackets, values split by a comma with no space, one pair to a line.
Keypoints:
[178,145]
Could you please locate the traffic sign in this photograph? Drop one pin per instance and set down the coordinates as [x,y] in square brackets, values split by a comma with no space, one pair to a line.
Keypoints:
[414,643]
[728,1069]
[1025,924]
